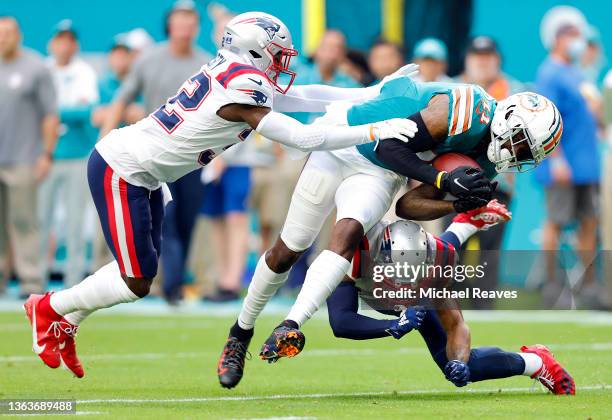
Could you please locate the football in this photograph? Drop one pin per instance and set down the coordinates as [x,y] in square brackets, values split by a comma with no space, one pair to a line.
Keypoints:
[449,161]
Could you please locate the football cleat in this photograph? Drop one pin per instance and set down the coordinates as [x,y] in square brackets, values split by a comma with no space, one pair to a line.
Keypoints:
[484,218]
[43,319]
[66,332]
[552,375]
[231,363]
[285,341]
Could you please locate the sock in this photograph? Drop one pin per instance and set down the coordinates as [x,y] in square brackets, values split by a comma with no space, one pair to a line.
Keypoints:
[102,289]
[462,231]
[264,284]
[324,274]
[494,363]
[240,333]
[76,317]
[533,363]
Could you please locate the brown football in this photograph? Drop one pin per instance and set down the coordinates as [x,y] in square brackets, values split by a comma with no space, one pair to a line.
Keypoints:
[449,161]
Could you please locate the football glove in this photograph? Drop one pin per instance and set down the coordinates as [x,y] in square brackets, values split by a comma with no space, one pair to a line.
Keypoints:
[457,372]
[396,128]
[409,70]
[410,319]
[465,181]
[486,217]
[471,202]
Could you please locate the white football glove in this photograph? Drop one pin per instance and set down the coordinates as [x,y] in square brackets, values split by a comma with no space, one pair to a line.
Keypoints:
[409,70]
[396,128]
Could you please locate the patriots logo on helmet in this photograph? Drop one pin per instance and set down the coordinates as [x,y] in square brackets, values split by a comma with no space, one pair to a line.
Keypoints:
[385,246]
[259,97]
[266,24]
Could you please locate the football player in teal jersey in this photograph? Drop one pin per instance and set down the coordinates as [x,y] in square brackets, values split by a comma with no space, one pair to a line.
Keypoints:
[511,135]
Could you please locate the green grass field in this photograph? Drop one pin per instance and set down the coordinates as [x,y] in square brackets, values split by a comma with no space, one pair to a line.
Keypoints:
[162,366]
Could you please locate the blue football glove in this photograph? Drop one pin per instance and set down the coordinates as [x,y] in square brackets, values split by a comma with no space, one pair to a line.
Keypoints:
[409,319]
[457,372]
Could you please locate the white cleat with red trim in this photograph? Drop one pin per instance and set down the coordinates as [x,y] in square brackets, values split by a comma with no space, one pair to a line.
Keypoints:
[552,375]
[43,319]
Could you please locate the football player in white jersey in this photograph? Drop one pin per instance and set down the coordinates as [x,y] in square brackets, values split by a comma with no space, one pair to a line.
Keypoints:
[213,110]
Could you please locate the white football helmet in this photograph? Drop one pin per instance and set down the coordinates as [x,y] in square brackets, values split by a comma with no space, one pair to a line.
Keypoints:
[526,127]
[264,41]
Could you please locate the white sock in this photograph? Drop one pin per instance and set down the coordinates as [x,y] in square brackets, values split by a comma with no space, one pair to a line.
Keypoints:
[102,289]
[462,231]
[76,317]
[264,284]
[533,363]
[322,278]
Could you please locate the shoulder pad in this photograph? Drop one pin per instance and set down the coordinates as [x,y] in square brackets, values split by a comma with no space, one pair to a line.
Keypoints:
[245,84]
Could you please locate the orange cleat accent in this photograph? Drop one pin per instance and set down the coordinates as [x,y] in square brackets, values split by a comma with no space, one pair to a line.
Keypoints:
[283,342]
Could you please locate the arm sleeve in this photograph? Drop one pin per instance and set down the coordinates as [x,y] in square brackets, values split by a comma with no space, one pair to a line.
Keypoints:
[308,137]
[346,322]
[45,94]
[402,157]
[314,98]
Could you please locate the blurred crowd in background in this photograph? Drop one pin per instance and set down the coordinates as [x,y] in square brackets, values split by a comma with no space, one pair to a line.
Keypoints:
[54,108]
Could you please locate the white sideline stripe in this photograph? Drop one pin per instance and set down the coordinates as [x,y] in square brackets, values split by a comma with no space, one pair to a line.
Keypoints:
[604,387]
[78,413]
[308,353]
[144,325]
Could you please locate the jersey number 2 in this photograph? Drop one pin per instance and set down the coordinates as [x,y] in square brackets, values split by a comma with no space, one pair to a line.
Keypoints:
[190,97]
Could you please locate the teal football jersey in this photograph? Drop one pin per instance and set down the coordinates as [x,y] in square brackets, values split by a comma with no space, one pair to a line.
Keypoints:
[470,111]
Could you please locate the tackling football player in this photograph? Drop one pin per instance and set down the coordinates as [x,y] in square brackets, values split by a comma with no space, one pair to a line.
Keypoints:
[216,108]
[444,330]
[515,134]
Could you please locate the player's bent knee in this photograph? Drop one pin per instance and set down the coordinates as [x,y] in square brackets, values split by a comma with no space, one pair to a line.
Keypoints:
[139,286]
[280,258]
[345,237]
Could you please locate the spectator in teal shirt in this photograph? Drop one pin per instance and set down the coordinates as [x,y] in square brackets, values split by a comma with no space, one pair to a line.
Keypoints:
[120,59]
[77,93]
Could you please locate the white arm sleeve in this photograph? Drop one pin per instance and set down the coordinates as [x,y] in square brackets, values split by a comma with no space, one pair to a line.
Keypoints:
[307,137]
[314,98]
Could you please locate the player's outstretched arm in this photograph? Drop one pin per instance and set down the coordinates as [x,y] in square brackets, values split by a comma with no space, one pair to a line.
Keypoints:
[308,137]
[315,98]
[346,322]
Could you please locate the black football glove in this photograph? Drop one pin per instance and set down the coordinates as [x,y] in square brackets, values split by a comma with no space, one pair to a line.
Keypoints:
[468,203]
[465,181]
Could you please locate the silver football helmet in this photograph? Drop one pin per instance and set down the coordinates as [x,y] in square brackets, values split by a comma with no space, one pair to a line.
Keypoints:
[264,41]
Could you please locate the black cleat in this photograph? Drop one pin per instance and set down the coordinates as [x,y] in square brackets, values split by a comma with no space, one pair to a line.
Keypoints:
[231,363]
[285,341]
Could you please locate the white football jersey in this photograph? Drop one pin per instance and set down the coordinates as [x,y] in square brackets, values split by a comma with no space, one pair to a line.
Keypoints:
[186,133]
